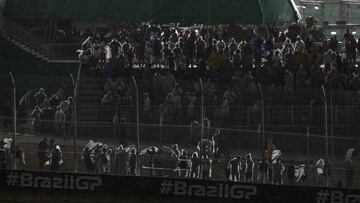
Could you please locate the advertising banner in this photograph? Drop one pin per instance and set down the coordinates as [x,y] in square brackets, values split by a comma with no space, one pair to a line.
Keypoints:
[170,187]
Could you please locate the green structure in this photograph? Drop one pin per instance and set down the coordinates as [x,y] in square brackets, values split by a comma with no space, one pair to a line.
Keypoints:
[159,11]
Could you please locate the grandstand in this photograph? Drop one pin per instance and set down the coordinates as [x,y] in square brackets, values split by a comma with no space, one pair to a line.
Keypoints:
[170,72]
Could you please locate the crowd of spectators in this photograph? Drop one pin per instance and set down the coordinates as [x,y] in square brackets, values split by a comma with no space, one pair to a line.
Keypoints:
[231,60]
[53,112]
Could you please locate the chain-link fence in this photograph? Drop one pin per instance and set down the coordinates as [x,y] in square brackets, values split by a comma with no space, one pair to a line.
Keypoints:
[297,131]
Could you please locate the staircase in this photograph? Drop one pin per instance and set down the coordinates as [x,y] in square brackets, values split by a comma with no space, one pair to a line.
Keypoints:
[91,90]
[34,45]
[89,100]
[26,48]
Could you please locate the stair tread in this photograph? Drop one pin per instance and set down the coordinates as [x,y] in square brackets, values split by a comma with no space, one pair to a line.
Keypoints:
[26,48]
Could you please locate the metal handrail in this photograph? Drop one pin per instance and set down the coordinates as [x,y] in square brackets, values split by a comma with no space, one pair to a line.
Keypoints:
[64,51]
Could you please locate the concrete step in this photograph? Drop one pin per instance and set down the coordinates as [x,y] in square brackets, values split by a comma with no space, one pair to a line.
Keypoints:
[86,91]
[90,99]
[91,85]
[92,79]
[26,48]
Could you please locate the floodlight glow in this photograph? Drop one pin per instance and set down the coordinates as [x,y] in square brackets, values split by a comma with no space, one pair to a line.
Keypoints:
[316,7]
[333,33]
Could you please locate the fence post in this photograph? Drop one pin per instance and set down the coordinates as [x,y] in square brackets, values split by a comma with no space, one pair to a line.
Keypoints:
[308,129]
[115,120]
[332,124]
[263,128]
[202,127]
[76,86]
[161,125]
[292,114]
[336,116]
[14,118]
[326,128]
[248,115]
[137,127]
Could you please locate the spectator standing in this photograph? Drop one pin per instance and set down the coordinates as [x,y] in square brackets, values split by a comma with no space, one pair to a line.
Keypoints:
[206,167]
[200,47]
[140,53]
[43,150]
[195,165]
[132,162]
[278,168]
[2,155]
[59,122]
[299,44]
[232,48]
[184,164]
[235,167]
[115,47]
[36,115]
[349,172]
[40,96]
[56,158]
[249,168]
[122,161]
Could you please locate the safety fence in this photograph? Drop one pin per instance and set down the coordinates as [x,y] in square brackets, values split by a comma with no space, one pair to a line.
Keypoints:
[295,170]
[236,116]
[306,143]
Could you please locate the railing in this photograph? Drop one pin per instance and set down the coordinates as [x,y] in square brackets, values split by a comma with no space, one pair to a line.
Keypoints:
[18,32]
[238,142]
[294,116]
[64,51]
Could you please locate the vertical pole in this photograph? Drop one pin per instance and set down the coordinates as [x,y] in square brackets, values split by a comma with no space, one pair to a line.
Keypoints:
[202,127]
[326,129]
[115,120]
[326,124]
[14,119]
[332,125]
[308,130]
[161,124]
[75,117]
[137,127]
[75,127]
[263,130]
[258,138]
